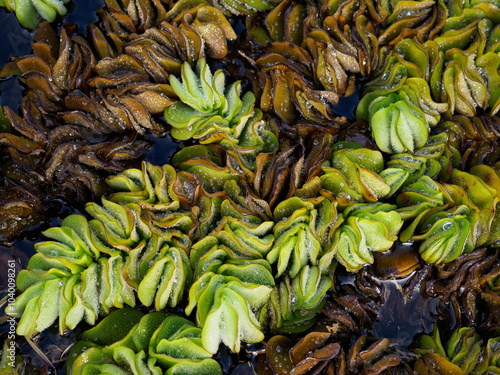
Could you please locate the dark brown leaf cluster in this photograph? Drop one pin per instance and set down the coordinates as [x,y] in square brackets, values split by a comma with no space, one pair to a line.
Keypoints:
[321,353]
[89,102]
[476,138]
[352,309]
[310,54]
[471,283]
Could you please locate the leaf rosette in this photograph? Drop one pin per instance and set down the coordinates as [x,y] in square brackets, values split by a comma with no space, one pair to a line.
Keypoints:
[353,175]
[294,303]
[228,291]
[152,187]
[454,218]
[144,345]
[465,352]
[304,228]
[91,267]
[435,160]
[367,228]
[396,125]
[207,107]
[225,308]
[472,138]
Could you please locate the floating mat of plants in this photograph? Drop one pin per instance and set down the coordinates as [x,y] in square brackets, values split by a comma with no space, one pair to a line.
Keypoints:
[278,222]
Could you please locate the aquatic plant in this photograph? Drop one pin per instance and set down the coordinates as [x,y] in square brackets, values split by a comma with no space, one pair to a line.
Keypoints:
[455,219]
[435,159]
[206,104]
[243,8]
[93,266]
[90,102]
[390,109]
[366,228]
[318,353]
[353,308]
[127,341]
[30,13]
[464,351]
[479,278]
[214,113]
[247,228]
[353,174]
[294,303]
[225,301]
[474,139]
[303,230]
[420,20]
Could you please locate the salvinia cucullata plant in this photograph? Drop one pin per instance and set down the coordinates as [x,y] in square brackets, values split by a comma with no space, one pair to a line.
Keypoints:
[30,12]
[129,342]
[212,112]
[148,240]
[464,351]
[93,266]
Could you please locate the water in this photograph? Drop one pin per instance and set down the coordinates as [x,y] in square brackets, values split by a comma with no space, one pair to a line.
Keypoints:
[83,13]
[16,41]
[347,105]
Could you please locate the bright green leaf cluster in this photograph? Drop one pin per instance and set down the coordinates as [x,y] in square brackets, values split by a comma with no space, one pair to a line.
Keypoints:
[143,345]
[367,228]
[30,12]
[212,112]
[465,349]
[207,107]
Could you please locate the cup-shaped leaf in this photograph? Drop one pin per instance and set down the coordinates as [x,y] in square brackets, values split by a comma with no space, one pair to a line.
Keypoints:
[226,308]
[397,126]
[166,279]
[151,187]
[354,175]
[368,228]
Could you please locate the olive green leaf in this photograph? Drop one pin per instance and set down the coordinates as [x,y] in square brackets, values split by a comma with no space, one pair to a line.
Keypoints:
[464,349]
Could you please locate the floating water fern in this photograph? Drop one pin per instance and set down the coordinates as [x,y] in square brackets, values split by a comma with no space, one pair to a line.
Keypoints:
[229,287]
[302,229]
[212,112]
[143,345]
[30,12]
[207,106]
[94,266]
[465,352]
[354,175]
[367,228]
